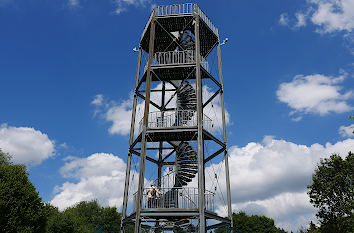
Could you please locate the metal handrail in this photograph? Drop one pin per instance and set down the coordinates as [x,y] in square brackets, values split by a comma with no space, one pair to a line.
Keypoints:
[206,19]
[181,9]
[175,9]
[185,9]
[175,198]
[166,119]
[177,57]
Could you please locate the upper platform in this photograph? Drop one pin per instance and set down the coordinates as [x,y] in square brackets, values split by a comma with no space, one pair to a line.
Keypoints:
[177,18]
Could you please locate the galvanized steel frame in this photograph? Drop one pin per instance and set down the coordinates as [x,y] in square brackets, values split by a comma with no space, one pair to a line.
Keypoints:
[201,212]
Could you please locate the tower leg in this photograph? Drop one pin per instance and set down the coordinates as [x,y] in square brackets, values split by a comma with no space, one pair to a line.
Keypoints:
[145,124]
[131,137]
[226,155]
[201,175]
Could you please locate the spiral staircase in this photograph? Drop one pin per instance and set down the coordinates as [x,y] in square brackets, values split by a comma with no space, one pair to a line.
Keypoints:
[186,164]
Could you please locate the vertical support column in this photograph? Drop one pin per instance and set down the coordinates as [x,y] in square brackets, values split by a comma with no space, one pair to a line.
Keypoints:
[201,175]
[159,170]
[145,124]
[131,137]
[226,155]
[159,165]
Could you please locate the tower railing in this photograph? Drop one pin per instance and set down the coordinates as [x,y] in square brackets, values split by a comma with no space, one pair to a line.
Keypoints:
[175,9]
[177,57]
[185,9]
[177,197]
[181,9]
[180,118]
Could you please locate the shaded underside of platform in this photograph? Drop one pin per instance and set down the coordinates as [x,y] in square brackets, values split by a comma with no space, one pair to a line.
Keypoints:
[177,23]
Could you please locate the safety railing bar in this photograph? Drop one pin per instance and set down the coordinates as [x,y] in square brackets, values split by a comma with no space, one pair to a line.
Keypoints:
[183,197]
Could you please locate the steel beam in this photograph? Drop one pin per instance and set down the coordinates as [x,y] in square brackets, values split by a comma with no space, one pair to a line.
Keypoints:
[169,154]
[131,137]
[212,137]
[218,225]
[226,156]
[147,157]
[214,155]
[201,175]
[145,124]
[211,98]
[151,102]
[153,148]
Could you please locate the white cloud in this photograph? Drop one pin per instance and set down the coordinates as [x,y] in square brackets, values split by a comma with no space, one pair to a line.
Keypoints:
[213,110]
[100,176]
[121,5]
[346,131]
[270,178]
[333,15]
[27,145]
[327,15]
[284,20]
[301,20]
[267,178]
[318,94]
[97,100]
[120,116]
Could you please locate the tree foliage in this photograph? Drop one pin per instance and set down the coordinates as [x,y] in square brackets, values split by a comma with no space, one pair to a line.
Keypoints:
[21,207]
[83,217]
[5,158]
[252,224]
[332,193]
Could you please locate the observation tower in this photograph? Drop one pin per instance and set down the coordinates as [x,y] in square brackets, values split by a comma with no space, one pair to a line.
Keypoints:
[170,127]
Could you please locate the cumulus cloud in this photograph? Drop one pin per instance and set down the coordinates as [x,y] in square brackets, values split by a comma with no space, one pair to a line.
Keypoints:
[121,5]
[346,131]
[318,94]
[327,15]
[26,145]
[333,15]
[118,114]
[267,178]
[270,178]
[100,176]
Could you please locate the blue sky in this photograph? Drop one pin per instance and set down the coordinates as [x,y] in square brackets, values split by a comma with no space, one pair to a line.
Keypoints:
[67,71]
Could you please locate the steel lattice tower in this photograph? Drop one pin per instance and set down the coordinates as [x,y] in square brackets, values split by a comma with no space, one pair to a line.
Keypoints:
[177,40]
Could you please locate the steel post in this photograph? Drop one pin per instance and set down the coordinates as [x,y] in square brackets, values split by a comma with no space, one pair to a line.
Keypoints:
[226,156]
[131,137]
[201,175]
[145,124]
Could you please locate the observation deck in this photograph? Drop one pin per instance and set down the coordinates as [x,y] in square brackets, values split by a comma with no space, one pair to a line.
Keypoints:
[175,204]
[176,198]
[172,65]
[175,18]
[177,125]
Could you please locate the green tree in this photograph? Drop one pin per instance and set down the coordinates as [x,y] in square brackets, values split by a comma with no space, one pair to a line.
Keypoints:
[5,158]
[84,217]
[21,208]
[312,229]
[332,193]
[252,224]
